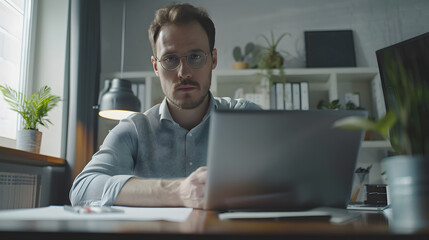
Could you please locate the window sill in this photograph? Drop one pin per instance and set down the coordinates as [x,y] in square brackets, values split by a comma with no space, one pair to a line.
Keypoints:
[16,156]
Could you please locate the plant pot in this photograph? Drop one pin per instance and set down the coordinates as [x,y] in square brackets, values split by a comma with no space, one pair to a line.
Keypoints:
[29,140]
[274,61]
[240,65]
[408,180]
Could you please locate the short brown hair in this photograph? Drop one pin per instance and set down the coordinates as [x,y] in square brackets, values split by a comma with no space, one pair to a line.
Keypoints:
[180,13]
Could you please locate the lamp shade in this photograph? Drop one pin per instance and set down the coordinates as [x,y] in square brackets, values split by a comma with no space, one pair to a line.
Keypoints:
[117,100]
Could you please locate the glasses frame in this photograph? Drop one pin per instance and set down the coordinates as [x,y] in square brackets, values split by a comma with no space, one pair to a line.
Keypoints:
[180,57]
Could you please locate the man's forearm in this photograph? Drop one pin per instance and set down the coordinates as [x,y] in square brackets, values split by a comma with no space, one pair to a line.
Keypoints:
[187,192]
[150,193]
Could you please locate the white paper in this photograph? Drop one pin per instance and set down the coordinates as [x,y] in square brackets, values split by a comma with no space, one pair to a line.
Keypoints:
[130,213]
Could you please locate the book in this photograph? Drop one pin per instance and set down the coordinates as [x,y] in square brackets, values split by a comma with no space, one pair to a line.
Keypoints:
[288,96]
[280,96]
[296,96]
[273,100]
[305,105]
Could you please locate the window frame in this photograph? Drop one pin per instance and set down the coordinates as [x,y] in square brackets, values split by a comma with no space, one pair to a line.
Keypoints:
[26,60]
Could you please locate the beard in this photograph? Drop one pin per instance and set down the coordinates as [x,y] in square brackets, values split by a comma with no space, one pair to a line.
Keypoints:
[186,102]
[188,105]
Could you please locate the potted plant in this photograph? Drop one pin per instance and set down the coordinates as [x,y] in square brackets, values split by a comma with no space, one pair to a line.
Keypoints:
[333,105]
[240,57]
[406,126]
[272,58]
[34,110]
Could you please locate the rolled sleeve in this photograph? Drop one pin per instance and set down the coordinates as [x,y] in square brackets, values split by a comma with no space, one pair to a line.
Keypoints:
[109,169]
[112,188]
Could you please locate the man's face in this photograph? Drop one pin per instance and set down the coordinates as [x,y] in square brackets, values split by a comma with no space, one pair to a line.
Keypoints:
[184,87]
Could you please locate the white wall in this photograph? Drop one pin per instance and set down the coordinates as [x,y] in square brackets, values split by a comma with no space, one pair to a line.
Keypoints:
[376,24]
[49,67]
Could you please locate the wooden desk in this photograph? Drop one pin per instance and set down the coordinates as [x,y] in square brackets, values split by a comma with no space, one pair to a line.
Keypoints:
[206,225]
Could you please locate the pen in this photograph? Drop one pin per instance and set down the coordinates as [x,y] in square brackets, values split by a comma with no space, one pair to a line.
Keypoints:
[89,209]
[78,209]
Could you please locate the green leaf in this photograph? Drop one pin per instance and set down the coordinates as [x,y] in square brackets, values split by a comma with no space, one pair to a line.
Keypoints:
[355,123]
[236,52]
[34,109]
[249,48]
[381,126]
[384,125]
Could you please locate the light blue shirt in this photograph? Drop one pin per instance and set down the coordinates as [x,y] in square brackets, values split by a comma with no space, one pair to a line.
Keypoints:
[147,145]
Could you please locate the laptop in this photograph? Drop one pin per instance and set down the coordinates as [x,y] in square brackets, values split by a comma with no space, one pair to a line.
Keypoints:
[280,160]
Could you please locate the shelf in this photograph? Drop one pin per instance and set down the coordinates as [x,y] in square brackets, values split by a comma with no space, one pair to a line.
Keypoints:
[324,84]
[255,75]
[12,155]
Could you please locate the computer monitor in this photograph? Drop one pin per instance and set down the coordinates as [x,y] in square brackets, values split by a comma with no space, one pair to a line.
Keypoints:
[413,56]
[404,72]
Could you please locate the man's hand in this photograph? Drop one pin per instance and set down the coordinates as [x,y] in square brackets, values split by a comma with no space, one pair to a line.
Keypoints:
[191,190]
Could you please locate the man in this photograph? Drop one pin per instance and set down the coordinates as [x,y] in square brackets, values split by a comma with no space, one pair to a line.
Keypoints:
[158,158]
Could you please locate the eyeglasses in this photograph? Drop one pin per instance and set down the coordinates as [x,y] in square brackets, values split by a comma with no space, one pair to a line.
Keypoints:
[195,60]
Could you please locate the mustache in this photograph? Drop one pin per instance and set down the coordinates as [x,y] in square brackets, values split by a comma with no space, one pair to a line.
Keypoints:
[186,82]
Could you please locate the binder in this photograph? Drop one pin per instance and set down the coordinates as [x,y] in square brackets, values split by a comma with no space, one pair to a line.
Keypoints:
[273,99]
[280,96]
[305,105]
[288,96]
[296,96]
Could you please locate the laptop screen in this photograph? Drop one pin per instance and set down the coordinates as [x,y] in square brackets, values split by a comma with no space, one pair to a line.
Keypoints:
[289,160]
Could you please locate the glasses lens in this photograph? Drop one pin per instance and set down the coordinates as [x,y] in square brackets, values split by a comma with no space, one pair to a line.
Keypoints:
[196,60]
[170,62]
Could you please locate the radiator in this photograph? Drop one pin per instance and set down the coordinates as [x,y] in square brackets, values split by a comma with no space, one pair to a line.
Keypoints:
[19,190]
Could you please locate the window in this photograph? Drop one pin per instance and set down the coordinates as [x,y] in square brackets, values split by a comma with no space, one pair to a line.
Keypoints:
[15,21]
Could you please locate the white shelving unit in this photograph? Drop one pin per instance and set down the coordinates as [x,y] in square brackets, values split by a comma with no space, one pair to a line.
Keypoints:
[324,83]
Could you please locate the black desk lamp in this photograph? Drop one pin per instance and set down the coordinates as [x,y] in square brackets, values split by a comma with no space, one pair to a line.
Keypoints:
[117,100]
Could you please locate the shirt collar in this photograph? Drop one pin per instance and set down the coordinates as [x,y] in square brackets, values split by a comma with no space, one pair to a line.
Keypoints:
[165,114]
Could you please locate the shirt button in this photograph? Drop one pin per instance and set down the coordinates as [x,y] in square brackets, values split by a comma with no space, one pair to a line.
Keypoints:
[190,164]
[190,134]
